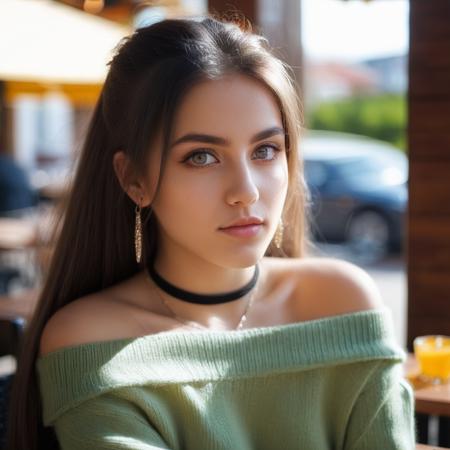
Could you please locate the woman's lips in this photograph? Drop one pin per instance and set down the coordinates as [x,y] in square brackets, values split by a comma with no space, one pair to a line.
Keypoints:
[243,230]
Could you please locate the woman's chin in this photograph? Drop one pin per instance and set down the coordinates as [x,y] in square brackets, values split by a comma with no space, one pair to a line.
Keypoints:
[243,258]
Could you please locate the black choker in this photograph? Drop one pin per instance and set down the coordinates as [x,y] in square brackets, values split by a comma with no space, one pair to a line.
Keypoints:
[203,299]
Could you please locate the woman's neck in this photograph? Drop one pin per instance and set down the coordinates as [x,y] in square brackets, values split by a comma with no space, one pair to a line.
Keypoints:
[200,276]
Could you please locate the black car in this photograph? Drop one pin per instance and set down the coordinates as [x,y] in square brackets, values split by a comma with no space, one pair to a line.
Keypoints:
[358,192]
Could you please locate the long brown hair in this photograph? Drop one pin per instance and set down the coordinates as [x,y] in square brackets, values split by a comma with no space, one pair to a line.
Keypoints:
[148,76]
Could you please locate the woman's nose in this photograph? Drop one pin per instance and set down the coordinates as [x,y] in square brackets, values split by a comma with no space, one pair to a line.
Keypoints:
[242,188]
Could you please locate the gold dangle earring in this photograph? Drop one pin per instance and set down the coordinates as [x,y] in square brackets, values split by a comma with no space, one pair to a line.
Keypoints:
[138,233]
[278,238]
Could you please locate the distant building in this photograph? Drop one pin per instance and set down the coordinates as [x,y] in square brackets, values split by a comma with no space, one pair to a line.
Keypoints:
[392,73]
[325,81]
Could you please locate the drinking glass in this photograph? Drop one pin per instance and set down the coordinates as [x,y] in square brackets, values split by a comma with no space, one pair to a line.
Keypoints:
[433,355]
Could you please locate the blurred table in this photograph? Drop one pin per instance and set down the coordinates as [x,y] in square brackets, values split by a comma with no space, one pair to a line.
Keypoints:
[55,191]
[16,234]
[18,240]
[430,400]
[434,400]
[428,447]
[22,304]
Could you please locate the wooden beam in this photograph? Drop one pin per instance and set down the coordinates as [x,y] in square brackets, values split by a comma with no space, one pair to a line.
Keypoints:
[429,182]
[78,94]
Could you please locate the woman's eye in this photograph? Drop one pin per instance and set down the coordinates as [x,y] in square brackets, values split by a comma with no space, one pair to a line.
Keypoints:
[201,159]
[266,152]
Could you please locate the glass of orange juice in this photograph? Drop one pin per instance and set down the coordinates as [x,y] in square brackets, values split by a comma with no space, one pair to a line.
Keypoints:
[433,356]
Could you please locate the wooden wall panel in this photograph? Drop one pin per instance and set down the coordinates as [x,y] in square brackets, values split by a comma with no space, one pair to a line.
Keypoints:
[430,55]
[430,19]
[429,188]
[434,287]
[428,233]
[431,115]
[432,324]
[430,146]
[429,248]
[431,82]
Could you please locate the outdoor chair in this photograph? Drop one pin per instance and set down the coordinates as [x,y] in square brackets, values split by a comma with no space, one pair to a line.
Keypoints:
[7,276]
[11,334]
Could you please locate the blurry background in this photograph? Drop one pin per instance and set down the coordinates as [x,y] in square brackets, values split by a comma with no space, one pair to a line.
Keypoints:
[353,79]
[375,81]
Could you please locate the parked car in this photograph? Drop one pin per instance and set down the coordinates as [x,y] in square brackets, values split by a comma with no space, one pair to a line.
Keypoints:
[358,192]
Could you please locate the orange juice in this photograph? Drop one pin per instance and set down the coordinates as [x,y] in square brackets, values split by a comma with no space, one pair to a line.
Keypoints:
[433,356]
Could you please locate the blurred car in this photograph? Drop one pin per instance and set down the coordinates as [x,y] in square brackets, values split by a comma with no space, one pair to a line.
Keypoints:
[358,192]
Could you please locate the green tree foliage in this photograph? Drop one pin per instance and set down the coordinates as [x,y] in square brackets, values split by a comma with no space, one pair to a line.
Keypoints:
[381,117]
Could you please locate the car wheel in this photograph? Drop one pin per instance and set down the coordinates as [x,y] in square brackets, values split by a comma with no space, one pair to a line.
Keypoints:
[368,235]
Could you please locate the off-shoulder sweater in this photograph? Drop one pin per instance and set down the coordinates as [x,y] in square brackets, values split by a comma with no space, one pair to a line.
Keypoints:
[330,383]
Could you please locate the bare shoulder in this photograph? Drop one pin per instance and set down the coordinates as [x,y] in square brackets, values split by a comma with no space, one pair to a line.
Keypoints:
[84,320]
[329,286]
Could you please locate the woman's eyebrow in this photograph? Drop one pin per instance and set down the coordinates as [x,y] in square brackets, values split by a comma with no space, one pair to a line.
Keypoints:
[209,139]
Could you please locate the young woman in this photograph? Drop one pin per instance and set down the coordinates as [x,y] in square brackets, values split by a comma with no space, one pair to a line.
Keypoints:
[180,310]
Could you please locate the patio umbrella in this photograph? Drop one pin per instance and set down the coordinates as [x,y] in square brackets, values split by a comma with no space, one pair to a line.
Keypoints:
[42,40]
[44,44]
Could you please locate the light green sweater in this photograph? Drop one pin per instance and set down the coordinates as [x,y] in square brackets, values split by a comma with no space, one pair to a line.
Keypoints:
[332,383]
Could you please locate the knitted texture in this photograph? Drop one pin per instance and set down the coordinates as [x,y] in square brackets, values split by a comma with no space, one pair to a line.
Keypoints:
[334,382]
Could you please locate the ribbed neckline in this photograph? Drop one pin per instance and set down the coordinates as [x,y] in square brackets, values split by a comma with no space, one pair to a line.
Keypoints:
[71,375]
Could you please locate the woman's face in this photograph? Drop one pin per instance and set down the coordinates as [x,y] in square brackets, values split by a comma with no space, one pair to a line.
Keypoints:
[227,162]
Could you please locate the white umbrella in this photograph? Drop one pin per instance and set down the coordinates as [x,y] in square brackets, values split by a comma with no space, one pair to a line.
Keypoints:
[44,41]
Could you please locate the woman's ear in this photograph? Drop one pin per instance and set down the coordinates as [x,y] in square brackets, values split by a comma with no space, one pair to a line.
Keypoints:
[129,180]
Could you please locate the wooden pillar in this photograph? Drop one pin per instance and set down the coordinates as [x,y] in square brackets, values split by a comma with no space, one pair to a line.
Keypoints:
[279,22]
[429,183]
